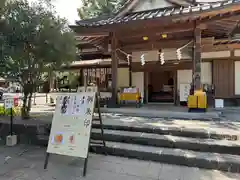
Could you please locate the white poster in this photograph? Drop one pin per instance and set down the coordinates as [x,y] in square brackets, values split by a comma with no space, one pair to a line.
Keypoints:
[184,92]
[81,89]
[71,125]
[8,103]
[87,89]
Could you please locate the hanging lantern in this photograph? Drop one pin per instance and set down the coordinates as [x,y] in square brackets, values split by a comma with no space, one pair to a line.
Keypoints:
[164,36]
[145,38]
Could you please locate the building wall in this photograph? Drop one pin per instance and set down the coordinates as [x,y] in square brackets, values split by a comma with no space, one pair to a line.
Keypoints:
[237,78]
[184,77]
[171,55]
[184,73]
[138,81]
[223,78]
[206,72]
[148,55]
[123,77]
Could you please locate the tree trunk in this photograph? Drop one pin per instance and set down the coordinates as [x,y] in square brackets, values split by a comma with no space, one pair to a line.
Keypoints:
[29,102]
[34,99]
[25,114]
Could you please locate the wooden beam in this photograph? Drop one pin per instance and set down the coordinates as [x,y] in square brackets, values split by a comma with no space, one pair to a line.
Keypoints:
[91,31]
[207,18]
[154,45]
[95,40]
[237,25]
[158,30]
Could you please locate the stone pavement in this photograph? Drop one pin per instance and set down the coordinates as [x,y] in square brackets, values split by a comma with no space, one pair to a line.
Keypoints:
[26,163]
[155,111]
[144,112]
[151,110]
[226,127]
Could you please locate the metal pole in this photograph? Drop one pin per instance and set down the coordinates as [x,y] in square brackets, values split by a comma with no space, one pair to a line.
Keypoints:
[46,160]
[11,121]
[85,81]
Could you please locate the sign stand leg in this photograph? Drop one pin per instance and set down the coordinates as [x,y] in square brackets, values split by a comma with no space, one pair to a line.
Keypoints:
[46,160]
[100,118]
[85,166]
[11,121]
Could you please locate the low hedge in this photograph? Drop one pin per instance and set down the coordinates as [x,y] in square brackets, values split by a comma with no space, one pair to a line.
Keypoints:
[16,111]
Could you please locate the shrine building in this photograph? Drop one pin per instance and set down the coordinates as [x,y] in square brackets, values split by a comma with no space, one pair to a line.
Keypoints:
[161,47]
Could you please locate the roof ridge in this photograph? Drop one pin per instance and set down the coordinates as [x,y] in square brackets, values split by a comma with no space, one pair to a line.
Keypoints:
[160,12]
[180,7]
[127,6]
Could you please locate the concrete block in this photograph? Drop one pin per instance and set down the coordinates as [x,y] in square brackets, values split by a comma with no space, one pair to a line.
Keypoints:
[11,140]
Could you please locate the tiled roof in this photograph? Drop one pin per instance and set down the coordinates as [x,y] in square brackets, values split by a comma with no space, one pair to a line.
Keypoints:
[158,13]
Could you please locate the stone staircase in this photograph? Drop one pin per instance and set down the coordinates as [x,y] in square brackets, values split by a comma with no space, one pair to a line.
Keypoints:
[207,149]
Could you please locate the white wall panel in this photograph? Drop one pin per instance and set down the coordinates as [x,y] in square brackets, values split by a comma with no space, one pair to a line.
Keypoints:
[138,81]
[184,77]
[148,56]
[217,54]
[123,77]
[237,77]
[237,52]
[206,75]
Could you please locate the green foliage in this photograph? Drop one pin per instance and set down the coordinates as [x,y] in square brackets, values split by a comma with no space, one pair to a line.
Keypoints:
[73,80]
[16,111]
[33,41]
[36,41]
[95,8]
[68,80]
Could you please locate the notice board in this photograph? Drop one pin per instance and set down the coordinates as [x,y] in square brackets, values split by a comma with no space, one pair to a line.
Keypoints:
[71,124]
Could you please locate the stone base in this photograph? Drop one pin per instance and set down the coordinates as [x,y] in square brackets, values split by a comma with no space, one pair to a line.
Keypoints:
[11,140]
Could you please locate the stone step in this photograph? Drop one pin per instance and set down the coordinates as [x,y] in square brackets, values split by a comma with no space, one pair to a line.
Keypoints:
[222,162]
[175,131]
[169,141]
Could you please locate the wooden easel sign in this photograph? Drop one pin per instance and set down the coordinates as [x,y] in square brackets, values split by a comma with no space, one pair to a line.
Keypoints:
[71,126]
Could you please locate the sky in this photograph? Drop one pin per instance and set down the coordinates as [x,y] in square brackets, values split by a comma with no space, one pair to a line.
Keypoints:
[66,9]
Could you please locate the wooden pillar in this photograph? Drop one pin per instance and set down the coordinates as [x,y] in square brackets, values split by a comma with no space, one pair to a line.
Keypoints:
[175,88]
[145,85]
[130,72]
[81,80]
[114,64]
[197,59]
